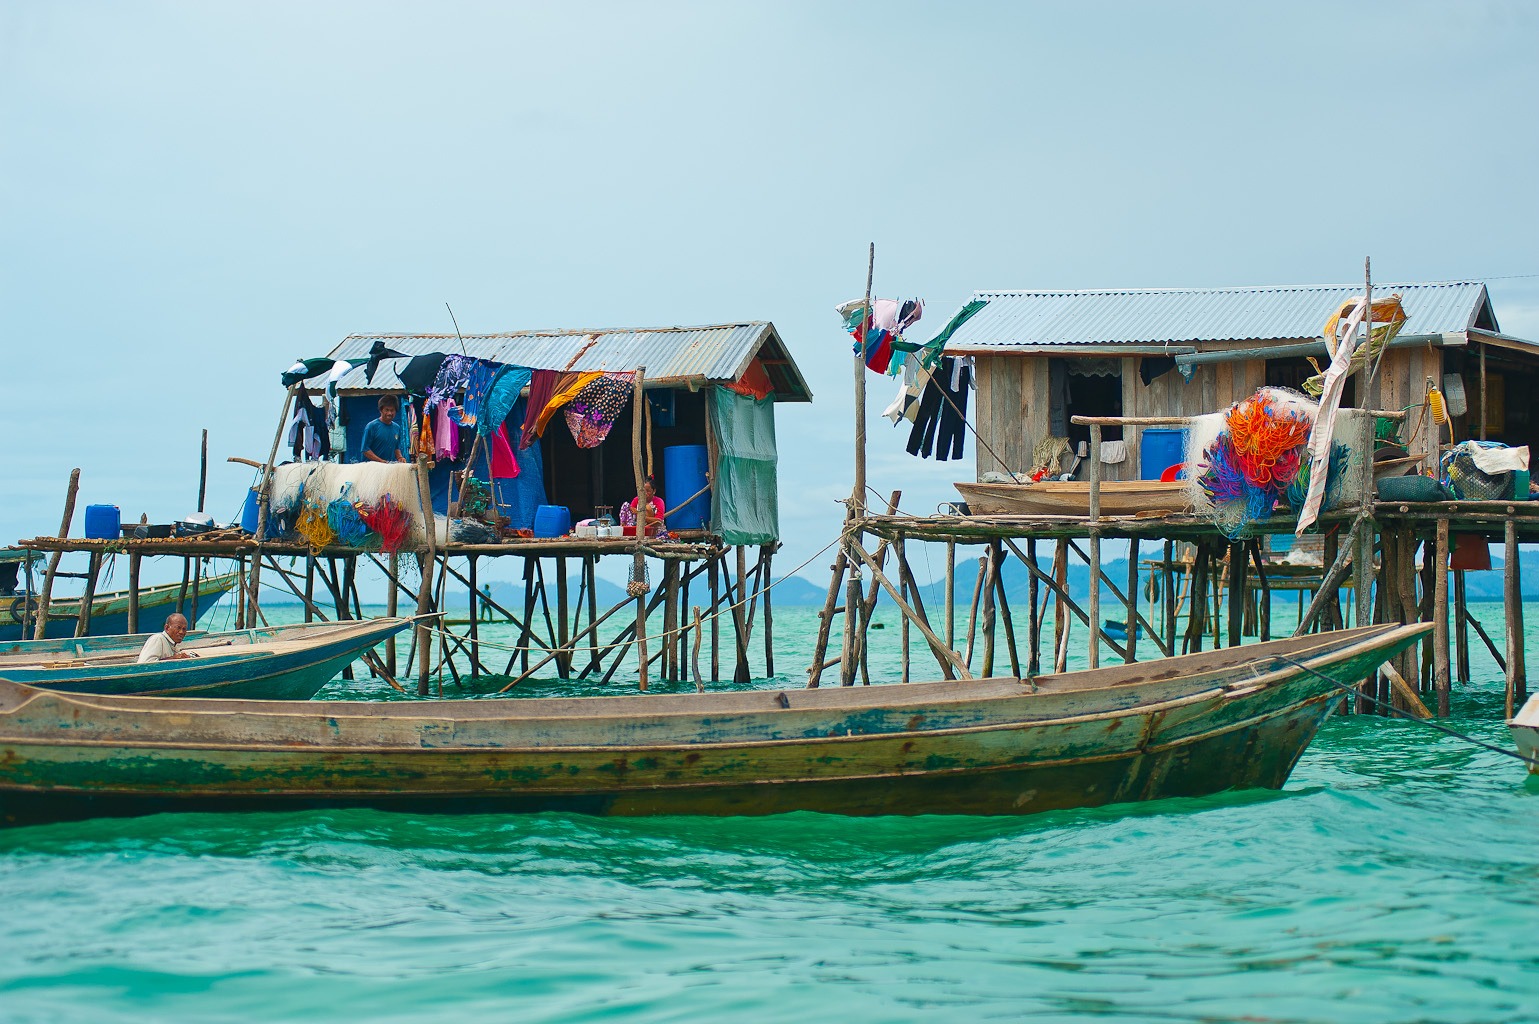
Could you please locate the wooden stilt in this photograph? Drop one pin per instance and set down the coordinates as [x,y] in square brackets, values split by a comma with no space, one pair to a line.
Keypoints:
[197,584]
[93,572]
[972,615]
[1168,588]
[942,653]
[713,577]
[849,651]
[240,590]
[741,674]
[1095,547]
[945,656]
[951,594]
[1003,601]
[425,565]
[903,592]
[590,564]
[1034,626]
[181,594]
[1440,669]
[989,622]
[392,608]
[474,610]
[1461,629]
[563,622]
[769,619]
[1132,602]
[309,596]
[133,595]
[264,506]
[1264,609]
[40,625]
[1512,598]
[1060,619]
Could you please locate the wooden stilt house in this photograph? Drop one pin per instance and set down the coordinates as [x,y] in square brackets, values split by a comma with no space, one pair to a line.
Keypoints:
[1046,356]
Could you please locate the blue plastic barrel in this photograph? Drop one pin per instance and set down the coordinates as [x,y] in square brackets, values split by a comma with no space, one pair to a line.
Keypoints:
[1160,448]
[103,522]
[249,512]
[684,470]
[552,521]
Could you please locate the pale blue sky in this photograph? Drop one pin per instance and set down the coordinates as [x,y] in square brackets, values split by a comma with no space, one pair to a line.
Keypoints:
[193,194]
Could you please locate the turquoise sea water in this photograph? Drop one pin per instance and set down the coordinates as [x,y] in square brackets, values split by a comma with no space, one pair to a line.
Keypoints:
[1395,879]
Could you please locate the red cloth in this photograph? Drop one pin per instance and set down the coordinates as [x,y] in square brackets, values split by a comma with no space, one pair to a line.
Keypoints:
[755,382]
[504,465]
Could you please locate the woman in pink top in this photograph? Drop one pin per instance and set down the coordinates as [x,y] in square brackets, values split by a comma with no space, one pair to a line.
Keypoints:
[630,510]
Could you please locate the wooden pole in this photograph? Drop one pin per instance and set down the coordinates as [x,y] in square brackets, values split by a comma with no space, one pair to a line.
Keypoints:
[643,512]
[972,614]
[1461,628]
[989,622]
[425,562]
[563,624]
[264,503]
[951,594]
[133,595]
[714,579]
[849,649]
[858,496]
[1132,602]
[93,572]
[1236,592]
[1440,672]
[1003,604]
[1512,598]
[1034,657]
[1168,586]
[1482,349]
[1095,546]
[916,601]
[769,619]
[825,618]
[203,472]
[903,623]
[942,653]
[40,628]
[1060,618]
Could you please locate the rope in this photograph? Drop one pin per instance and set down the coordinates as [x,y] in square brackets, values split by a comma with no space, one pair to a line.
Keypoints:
[1429,723]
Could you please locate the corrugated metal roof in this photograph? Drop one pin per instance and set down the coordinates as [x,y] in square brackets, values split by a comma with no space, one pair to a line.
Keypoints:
[1032,319]
[716,352]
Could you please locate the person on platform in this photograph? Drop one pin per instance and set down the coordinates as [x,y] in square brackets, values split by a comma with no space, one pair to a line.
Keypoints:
[382,437]
[167,644]
[632,509]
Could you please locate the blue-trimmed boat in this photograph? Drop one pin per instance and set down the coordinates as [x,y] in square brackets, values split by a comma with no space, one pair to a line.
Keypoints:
[271,663]
[109,611]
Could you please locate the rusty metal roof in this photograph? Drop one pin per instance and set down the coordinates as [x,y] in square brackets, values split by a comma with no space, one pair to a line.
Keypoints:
[719,352]
[1025,320]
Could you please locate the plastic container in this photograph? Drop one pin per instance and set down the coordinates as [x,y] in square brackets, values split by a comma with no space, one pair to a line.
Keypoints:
[1520,484]
[552,521]
[684,470]
[103,522]
[249,512]
[1159,449]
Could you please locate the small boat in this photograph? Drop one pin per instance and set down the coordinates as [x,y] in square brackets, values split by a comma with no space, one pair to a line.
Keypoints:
[1118,631]
[1072,498]
[109,611]
[272,663]
[1189,726]
[1525,732]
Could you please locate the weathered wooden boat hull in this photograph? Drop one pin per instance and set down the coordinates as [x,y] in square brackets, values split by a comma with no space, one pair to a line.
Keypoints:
[1192,726]
[1525,732]
[296,672]
[1072,498]
[109,612]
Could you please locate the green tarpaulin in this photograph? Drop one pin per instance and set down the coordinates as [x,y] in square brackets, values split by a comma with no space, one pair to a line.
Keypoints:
[745,500]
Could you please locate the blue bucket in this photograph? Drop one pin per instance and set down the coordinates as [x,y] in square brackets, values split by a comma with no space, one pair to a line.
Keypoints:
[552,521]
[684,470]
[1160,448]
[250,513]
[103,522]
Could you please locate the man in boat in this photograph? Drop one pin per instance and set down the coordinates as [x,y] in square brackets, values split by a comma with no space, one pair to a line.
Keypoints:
[166,645]
[382,437]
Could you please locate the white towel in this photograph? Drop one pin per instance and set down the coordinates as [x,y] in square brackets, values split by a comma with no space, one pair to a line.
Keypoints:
[1113,452]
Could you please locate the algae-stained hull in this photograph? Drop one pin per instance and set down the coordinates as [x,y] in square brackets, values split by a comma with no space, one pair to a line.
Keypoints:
[1525,732]
[1179,727]
[109,612]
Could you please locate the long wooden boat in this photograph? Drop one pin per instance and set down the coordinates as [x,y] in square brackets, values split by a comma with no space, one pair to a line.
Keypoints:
[279,663]
[1525,732]
[109,611]
[1188,726]
[1072,498]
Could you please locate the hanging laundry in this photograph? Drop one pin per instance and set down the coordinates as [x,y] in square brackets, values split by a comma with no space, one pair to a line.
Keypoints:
[476,386]
[309,436]
[425,434]
[417,375]
[875,331]
[563,389]
[501,397]
[446,432]
[942,418]
[1152,368]
[929,353]
[504,465]
[453,374]
[592,412]
[377,354]
[304,369]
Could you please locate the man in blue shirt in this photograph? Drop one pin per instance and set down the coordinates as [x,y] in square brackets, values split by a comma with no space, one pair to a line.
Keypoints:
[382,437]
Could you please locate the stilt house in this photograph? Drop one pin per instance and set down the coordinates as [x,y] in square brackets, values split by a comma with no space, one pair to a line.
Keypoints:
[683,366]
[1045,356]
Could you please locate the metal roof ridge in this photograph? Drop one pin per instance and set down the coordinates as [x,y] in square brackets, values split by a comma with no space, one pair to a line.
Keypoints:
[1022,292]
[559,332]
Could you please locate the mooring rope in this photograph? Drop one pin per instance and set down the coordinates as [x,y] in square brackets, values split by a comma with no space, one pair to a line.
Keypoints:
[1354,691]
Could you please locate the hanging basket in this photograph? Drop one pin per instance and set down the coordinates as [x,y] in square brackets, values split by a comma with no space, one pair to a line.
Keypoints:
[640,582]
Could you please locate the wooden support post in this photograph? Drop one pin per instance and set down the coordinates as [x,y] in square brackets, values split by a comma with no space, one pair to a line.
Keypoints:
[40,627]
[713,577]
[392,609]
[921,620]
[590,565]
[133,594]
[1264,610]
[1095,547]
[1060,619]
[1236,593]
[309,586]
[666,645]
[972,615]
[526,631]
[1168,588]
[850,649]
[951,594]
[1003,612]
[858,497]
[1512,598]
[475,620]
[1461,629]
[93,572]
[741,674]
[181,593]
[425,564]
[1482,349]
[903,624]
[1440,670]
[197,584]
[1132,602]
[943,654]
[643,513]
[264,504]
[769,619]
[1034,625]
[240,592]
[991,569]
[563,622]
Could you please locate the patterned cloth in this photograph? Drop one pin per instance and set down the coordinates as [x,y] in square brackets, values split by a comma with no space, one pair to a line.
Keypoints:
[453,374]
[593,410]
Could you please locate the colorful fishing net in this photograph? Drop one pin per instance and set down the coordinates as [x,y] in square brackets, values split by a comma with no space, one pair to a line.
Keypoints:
[313,526]
[346,521]
[1254,460]
[389,521]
